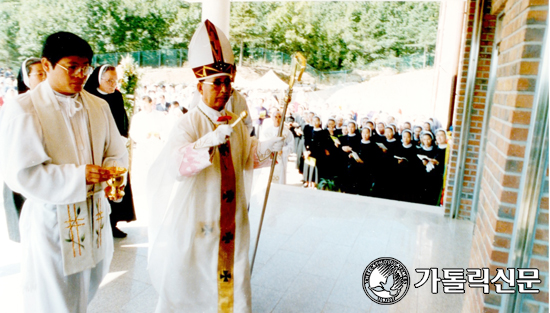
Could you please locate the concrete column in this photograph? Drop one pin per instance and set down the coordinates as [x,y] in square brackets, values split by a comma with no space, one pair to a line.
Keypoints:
[447,56]
[217,11]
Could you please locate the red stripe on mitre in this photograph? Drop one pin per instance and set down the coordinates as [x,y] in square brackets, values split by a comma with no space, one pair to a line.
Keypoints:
[215,44]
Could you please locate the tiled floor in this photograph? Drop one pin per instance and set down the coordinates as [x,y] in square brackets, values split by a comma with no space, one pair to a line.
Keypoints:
[313,250]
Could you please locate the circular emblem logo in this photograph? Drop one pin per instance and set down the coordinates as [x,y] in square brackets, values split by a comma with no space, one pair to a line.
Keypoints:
[386,281]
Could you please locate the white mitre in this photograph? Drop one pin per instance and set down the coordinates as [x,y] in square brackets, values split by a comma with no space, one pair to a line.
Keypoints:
[210,53]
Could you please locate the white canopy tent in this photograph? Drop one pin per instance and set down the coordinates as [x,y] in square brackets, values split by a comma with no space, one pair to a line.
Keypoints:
[408,92]
[270,81]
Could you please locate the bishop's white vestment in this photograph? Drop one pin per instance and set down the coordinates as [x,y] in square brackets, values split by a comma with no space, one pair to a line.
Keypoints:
[46,140]
[198,229]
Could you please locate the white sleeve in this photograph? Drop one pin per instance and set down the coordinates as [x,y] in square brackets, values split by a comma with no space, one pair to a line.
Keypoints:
[27,168]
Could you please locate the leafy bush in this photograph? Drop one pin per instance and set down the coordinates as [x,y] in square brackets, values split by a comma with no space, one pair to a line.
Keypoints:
[328,184]
[129,79]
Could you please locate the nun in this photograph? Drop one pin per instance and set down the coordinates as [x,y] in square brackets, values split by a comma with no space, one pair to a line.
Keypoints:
[417,130]
[391,143]
[363,122]
[427,126]
[31,74]
[396,133]
[370,124]
[350,147]
[378,136]
[369,155]
[343,131]
[407,166]
[299,126]
[316,153]
[307,130]
[339,125]
[102,83]
[353,139]
[388,163]
[432,174]
[293,127]
[406,125]
[334,155]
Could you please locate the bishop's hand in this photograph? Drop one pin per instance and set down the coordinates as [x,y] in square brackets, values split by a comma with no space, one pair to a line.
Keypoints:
[222,132]
[214,138]
[266,147]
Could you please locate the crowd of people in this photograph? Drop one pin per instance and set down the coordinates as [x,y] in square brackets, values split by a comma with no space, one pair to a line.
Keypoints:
[366,155]
[168,97]
[8,85]
[67,133]
[372,157]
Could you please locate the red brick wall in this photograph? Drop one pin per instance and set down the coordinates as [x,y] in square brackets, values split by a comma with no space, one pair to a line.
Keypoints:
[477,113]
[523,28]
[539,258]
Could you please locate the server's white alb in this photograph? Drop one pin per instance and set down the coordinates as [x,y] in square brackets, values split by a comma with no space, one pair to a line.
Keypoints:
[46,140]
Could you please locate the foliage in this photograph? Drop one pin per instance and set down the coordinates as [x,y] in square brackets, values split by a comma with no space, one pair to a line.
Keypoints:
[8,30]
[332,35]
[327,184]
[128,82]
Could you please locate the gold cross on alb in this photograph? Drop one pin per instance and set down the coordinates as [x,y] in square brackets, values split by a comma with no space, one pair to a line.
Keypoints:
[99,219]
[74,223]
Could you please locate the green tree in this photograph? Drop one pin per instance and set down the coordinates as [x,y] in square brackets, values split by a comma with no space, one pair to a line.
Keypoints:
[332,35]
[9,51]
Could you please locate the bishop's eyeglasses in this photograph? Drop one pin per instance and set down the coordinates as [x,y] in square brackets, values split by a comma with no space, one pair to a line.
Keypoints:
[219,83]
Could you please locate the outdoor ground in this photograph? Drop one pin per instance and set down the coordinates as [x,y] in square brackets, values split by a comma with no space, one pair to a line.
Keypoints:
[314,248]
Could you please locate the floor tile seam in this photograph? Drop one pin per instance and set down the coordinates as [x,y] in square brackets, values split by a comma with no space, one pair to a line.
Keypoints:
[270,290]
[331,290]
[354,239]
[344,260]
[143,291]
[144,282]
[284,293]
[299,270]
[132,282]
[340,276]
[287,243]
[276,265]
